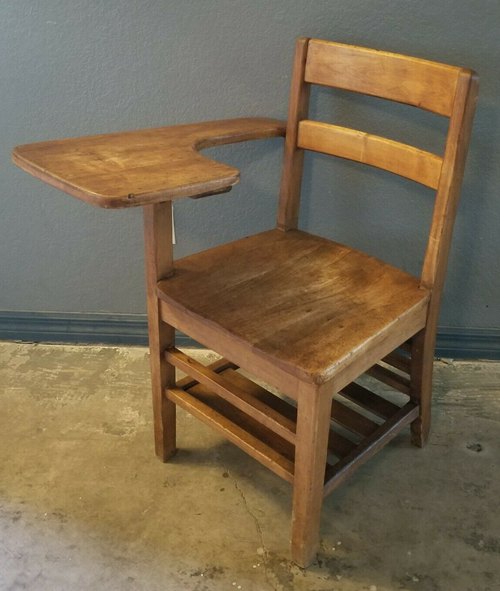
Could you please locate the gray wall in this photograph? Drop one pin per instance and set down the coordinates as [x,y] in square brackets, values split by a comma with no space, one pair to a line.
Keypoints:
[69,68]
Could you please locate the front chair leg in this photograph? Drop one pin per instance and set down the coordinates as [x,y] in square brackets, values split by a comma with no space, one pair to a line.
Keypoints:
[313,424]
[162,377]
[159,265]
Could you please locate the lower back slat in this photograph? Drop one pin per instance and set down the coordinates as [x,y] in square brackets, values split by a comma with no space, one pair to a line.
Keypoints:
[402,159]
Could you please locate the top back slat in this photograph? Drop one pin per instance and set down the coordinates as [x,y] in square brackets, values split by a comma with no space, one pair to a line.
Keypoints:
[400,78]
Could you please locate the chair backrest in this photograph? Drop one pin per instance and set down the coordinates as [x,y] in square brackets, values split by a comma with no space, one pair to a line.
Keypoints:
[447,90]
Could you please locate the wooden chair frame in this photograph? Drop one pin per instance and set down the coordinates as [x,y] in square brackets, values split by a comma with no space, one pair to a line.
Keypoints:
[293,439]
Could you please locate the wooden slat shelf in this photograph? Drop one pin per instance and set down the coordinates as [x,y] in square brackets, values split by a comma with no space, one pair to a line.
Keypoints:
[233,404]
[217,366]
[243,400]
[338,445]
[399,361]
[249,443]
[352,420]
[336,474]
[392,379]
[369,401]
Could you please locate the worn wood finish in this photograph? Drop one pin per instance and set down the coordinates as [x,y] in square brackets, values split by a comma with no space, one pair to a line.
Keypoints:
[239,417]
[291,176]
[310,465]
[368,400]
[414,81]
[339,472]
[238,397]
[237,435]
[159,265]
[145,166]
[338,445]
[407,161]
[219,366]
[436,257]
[311,325]
[352,420]
[390,378]
[422,354]
[306,464]
[302,313]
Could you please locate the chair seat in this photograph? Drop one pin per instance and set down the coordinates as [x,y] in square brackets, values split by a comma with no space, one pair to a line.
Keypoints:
[307,304]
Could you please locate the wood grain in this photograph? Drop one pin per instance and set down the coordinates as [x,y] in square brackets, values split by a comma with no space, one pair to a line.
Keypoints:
[438,248]
[338,445]
[238,397]
[240,418]
[325,303]
[352,420]
[219,366]
[402,159]
[142,167]
[418,82]
[368,400]
[310,465]
[305,314]
[159,265]
[436,258]
[391,378]
[293,156]
[234,433]
[344,468]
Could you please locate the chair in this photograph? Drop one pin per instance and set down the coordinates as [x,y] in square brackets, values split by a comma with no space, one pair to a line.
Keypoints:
[303,314]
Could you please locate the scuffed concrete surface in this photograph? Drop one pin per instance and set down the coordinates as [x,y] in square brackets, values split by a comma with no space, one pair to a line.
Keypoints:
[85,505]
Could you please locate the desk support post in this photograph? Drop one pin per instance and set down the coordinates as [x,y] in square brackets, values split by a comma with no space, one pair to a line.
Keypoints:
[159,265]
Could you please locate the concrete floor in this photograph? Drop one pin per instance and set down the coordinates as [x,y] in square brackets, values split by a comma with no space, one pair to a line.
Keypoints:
[84,504]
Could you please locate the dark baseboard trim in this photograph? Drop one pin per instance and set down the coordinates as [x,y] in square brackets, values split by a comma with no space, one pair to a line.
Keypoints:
[131,329]
[81,328]
[468,343]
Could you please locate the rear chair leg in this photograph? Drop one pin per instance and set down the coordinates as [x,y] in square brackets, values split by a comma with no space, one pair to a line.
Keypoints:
[313,424]
[422,363]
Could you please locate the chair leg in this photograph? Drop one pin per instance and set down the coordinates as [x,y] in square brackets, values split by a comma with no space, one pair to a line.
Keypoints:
[161,336]
[159,265]
[313,423]
[422,363]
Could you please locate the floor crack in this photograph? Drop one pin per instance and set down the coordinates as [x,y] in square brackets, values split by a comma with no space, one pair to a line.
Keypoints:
[259,532]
